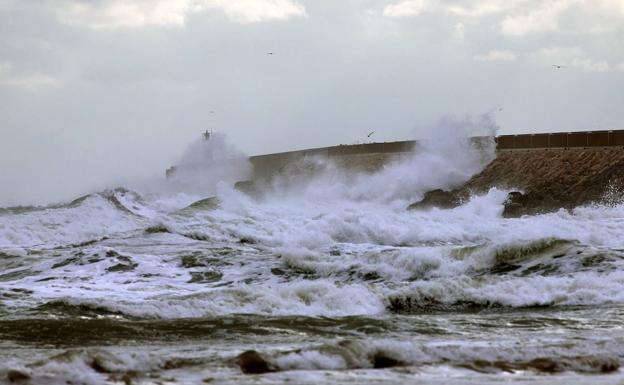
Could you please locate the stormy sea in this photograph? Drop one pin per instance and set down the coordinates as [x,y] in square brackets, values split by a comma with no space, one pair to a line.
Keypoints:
[317,276]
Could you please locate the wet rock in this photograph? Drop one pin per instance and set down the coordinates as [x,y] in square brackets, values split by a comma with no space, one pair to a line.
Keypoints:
[251,362]
[609,366]
[514,204]
[17,376]
[97,365]
[382,361]
[436,198]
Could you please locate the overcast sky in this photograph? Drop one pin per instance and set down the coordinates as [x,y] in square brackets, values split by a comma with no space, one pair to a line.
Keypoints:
[93,92]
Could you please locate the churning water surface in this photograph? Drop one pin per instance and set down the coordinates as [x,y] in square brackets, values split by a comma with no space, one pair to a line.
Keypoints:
[328,281]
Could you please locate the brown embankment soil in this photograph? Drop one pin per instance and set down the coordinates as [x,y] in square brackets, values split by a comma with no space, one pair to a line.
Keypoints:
[551,179]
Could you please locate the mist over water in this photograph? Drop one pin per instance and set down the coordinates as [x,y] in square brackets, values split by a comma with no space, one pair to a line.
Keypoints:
[445,159]
[323,272]
[205,164]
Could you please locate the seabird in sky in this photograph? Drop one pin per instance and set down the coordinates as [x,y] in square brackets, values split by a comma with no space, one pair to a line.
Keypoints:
[558,66]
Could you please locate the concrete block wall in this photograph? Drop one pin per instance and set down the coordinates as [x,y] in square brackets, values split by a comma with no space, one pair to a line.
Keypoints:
[561,140]
[266,165]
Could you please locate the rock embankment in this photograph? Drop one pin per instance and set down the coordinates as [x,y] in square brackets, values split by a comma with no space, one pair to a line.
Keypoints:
[547,179]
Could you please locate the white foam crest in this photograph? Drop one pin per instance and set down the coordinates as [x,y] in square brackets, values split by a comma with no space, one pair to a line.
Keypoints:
[581,288]
[360,354]
[77,365]
[398,264]
[299,223]
[445,160]
[434,164]
[312,298]
[93,218]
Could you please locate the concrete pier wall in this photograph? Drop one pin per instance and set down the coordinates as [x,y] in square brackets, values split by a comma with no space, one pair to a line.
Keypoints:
[375,155]
[584,139]
[371,155]
[266,165]
[551,171]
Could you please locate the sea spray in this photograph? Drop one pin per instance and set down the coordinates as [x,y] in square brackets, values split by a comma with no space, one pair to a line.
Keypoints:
[326,277]
[449,157]
[205,164]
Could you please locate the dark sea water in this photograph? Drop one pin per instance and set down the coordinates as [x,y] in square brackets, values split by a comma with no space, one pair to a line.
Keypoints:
[327,282]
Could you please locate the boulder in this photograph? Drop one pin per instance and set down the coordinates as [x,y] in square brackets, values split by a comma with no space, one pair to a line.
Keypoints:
[514,204]
[381,360]
[17,376]
[251,362]
[436,198]
[532,203]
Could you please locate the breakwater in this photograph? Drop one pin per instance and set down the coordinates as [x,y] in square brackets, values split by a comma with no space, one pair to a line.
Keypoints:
[551,170]
[370,156]
[267,164]
[366,157]
[561,140]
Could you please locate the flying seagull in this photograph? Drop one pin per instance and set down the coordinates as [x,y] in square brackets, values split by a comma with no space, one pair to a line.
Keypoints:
[270,53]
[558,66]
[370,133]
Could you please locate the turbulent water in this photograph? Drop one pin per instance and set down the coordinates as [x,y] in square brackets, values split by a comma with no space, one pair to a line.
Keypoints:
[330,281]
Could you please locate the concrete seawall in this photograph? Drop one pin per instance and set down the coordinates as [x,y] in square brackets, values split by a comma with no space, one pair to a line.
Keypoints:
[381,153]
[265,165]
[359,156]
[550,171]
[553,170]
[561,140]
